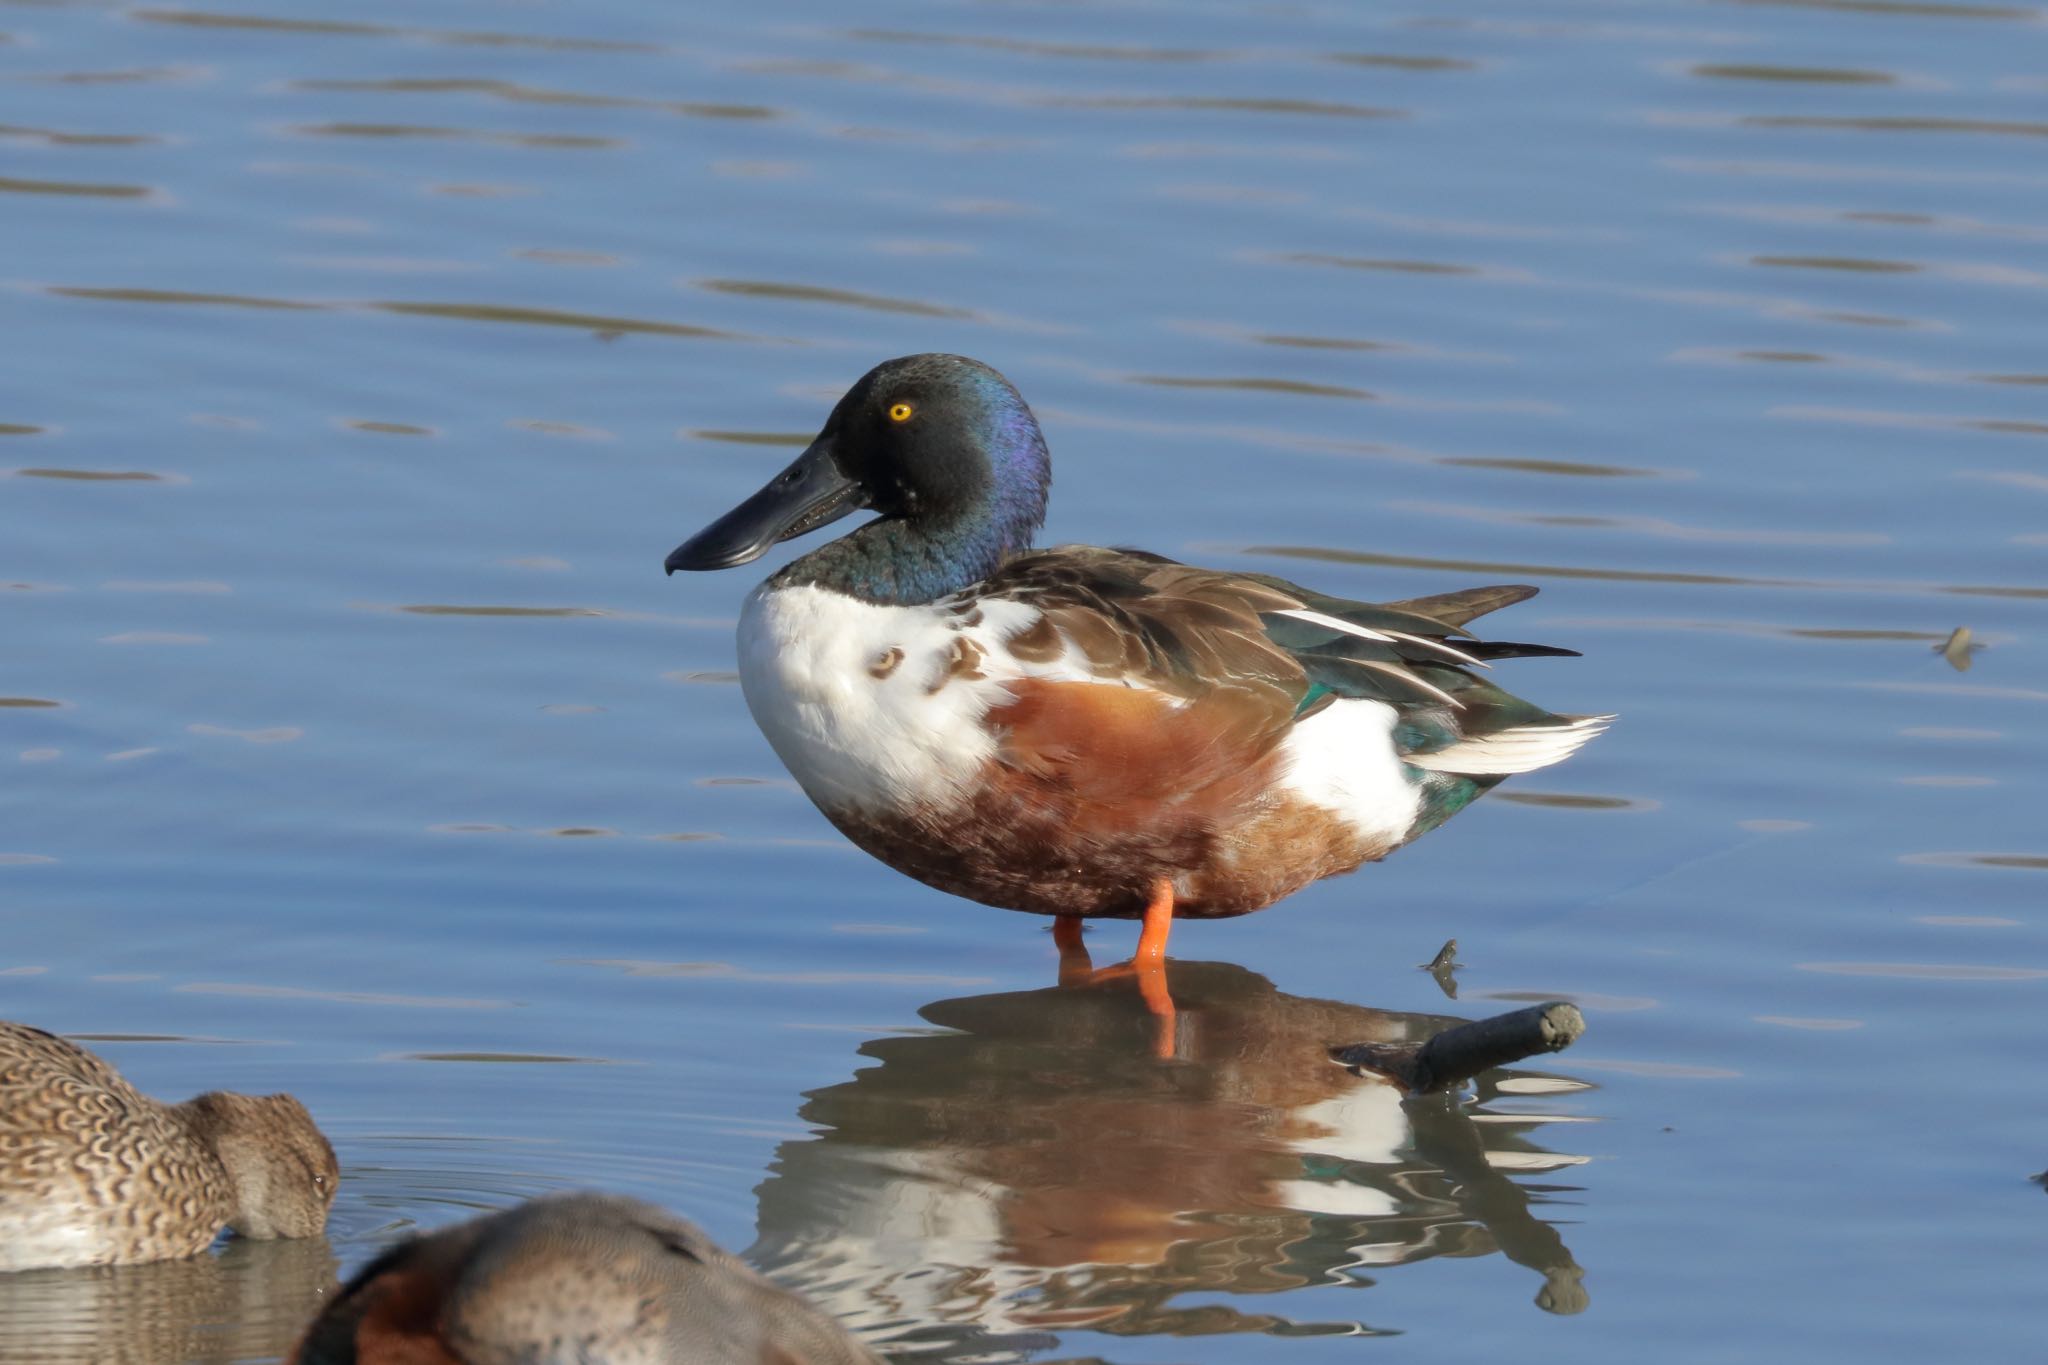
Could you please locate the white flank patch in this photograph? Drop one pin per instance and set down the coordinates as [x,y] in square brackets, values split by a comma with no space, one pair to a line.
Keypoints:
[807,661]
[1522,749]
[1342,758]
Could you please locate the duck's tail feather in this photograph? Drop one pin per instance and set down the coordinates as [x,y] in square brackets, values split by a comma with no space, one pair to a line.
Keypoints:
[1509,649]
[1466,604]
[1517,749]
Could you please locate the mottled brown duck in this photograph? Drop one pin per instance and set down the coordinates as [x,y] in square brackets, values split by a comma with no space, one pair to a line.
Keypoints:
[94,1172]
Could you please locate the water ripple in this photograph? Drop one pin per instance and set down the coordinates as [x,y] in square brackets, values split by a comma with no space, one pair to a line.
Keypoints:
[1811,75]
[1289,386]
[1876,417]
[548,141]
[1219,103]
[378,999]
[443,609]
[140,75]
[2031,862]
[1899,124]
[1653,526]
[1400,61]
[52,137]
[1402,267]
[726,971]
[601,324]
[179,296]
[516,93]
[1336,556]
[1928,971]
[96,475]
[1029,48]
[1917,9]
[845,298]
[80,188]
[346,29]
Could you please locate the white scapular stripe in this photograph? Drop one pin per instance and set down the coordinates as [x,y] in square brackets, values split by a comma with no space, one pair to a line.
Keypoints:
[1522,749]
[1408,677]
[1342,627]
[1385,637]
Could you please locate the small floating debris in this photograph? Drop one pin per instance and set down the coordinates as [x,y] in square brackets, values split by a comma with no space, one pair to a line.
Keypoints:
[1957,649]
[1443,968]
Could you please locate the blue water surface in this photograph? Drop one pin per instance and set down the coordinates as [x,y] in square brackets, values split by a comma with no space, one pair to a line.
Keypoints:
[363,366]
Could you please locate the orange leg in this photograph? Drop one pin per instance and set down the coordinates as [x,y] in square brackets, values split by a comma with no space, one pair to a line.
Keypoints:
[1148,963]
[1158,924]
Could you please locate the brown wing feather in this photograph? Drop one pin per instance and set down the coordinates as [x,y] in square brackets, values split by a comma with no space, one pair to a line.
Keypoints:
[1189,632]
[1466,605]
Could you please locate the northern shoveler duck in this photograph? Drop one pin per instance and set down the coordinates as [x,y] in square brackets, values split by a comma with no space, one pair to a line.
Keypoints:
[93,1172]
[571,1278]
[1083,731]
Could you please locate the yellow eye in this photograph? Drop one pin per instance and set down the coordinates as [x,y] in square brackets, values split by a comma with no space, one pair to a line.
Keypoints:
[899,412]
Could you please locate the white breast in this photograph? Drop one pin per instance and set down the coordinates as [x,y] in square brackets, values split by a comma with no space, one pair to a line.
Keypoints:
[857,699]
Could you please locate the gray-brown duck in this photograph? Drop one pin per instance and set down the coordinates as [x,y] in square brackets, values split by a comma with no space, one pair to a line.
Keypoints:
[565,1280]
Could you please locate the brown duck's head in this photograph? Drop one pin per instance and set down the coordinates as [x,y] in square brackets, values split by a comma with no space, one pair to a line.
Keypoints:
[281,1169]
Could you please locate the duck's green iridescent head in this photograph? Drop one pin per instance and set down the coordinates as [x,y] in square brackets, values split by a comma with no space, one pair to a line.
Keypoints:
[942,447]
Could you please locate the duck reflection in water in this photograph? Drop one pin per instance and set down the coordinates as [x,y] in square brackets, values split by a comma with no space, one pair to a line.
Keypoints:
[1034,1168]
[248,1300]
